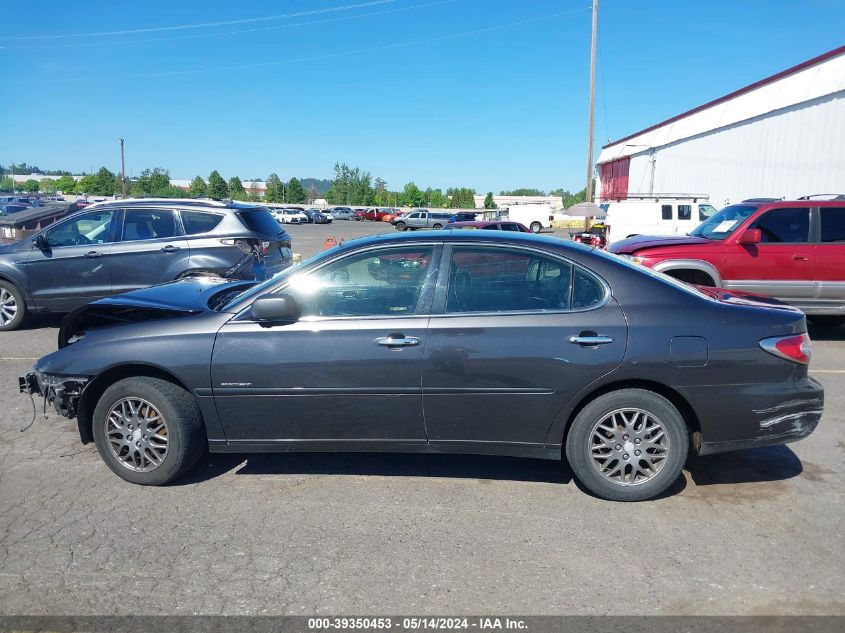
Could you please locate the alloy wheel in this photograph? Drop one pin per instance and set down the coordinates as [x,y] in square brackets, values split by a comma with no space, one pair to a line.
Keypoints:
[136,433]
[629,446]
[8,307]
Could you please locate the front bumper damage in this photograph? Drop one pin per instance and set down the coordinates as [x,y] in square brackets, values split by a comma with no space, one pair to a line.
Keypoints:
[61,392]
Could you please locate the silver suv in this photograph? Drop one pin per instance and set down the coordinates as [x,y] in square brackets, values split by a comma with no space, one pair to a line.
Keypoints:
[117,246]
[421,219]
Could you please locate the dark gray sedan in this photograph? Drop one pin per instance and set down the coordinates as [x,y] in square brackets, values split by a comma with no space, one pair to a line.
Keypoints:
[454,341]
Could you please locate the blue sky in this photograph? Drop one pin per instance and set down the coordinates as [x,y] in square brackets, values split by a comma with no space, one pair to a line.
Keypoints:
[490,94]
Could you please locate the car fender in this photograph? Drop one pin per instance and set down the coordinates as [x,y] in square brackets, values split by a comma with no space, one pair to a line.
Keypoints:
[690,264]
[9,272]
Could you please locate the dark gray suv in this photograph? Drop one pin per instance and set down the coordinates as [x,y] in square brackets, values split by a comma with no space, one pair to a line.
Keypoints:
[123,245]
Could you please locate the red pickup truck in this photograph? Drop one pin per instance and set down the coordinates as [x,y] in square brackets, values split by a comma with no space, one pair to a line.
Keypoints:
[790,250]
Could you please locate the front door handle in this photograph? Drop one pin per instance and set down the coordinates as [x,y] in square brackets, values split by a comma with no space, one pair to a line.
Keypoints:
[92,254]
[170,249]
[799,258]
[591,340]
[398,340]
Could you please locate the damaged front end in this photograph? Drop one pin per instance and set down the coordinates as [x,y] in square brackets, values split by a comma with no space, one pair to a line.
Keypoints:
[61,392]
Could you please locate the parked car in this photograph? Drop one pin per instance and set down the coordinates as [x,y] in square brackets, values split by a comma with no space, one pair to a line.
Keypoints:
[289,216]
[315,217]
[656,215]
[326,212]
[112,247]
[490,226]
[512,344]
[390,214]
[373,215]
[342,213]
[466,216]
[421,219]
[791,250]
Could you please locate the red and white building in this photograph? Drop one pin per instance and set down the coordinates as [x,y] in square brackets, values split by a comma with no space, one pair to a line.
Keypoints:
[783,136]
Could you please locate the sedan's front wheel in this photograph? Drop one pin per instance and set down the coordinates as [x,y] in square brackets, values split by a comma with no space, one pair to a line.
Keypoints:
[148,430]
[627,445]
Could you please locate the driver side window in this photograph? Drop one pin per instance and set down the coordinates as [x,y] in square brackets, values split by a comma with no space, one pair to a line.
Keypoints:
[387,282]
[88,228]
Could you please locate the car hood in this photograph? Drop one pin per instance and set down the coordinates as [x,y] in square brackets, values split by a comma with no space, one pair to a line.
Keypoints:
[182,298]
[633,244]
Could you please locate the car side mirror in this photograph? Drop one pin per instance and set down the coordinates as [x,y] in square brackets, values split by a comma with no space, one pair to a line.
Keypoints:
[40,241]
[750,237]
[276,309]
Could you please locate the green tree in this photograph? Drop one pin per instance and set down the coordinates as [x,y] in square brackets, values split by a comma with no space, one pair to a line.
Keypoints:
[47,185]
[381,198]
[160,183]
[489,203]
[350,186]
[65,184]
[86,184]
[198,188]
[104,183]
[461,198]
[275,190]
[6,183]
[435,199]
[30,186]
[295,193]
[217,187]
[411,196]
[236,189]
[523,192]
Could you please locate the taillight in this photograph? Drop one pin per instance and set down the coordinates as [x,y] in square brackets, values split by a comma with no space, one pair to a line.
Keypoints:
[264,247]
[796,347]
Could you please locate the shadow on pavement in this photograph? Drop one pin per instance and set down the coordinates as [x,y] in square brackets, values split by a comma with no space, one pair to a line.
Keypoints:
[768,464]
[384,464]
[822,333]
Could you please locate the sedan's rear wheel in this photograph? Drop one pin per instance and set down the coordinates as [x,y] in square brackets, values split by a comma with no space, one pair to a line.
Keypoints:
[12,307]
[627,445]
[148,431]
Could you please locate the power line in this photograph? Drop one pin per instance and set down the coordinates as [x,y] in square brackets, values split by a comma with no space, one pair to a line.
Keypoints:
[203,25]
[237,32]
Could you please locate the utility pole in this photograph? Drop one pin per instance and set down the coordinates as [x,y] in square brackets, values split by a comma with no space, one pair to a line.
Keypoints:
[589,188]
[122,172]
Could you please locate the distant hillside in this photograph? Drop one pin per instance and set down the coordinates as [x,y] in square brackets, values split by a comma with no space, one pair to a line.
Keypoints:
[321,185]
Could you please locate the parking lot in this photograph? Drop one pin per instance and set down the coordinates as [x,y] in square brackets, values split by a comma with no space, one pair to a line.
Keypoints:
[753,532]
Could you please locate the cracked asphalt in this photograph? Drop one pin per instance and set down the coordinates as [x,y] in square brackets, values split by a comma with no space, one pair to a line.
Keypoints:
[753,532]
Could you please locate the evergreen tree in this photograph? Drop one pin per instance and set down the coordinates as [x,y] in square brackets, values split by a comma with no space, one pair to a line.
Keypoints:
[198,188]
[275,190]
[295,193]
[236,189]
[217,187]
[489,203]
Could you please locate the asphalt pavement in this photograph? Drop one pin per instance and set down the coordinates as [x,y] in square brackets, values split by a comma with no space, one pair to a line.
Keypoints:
[752,532]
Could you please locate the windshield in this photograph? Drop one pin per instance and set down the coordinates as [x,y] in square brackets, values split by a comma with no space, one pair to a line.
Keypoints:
[719,226]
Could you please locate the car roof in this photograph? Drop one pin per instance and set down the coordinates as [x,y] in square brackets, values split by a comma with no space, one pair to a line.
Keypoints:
[210,203]
[446,235]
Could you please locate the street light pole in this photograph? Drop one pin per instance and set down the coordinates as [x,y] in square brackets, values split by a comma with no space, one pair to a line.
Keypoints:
[589,188]
[122,172]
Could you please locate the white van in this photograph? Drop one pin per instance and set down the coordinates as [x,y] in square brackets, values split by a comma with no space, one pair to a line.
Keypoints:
[535,216]
[654,215]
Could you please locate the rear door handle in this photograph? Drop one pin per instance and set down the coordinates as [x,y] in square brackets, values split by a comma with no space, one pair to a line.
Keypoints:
[591,340]
[398,340]
[92,254]
[170,249]
[799,258]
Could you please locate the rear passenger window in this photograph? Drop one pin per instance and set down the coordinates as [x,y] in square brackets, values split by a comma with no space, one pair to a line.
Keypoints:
[502,280]
[666,211]
[196,222]
[833,224]
[147,224]
[587,291]
[685,212]
[785,226]
[510,227]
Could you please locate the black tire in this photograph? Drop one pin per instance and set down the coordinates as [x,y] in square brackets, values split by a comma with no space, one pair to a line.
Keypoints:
[827,320]
[11,303]
[579,445]
[437,226]
[185,428]
[536,227]
[401,226]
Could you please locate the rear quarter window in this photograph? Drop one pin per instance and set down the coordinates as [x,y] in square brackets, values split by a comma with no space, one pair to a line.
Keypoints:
[260,221]
[196,222]
[833,224]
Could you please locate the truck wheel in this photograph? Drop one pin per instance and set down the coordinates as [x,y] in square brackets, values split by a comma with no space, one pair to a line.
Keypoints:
[437,226]
[401,226]
[536,227]
[148,430]
[627,445]
[12,307]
